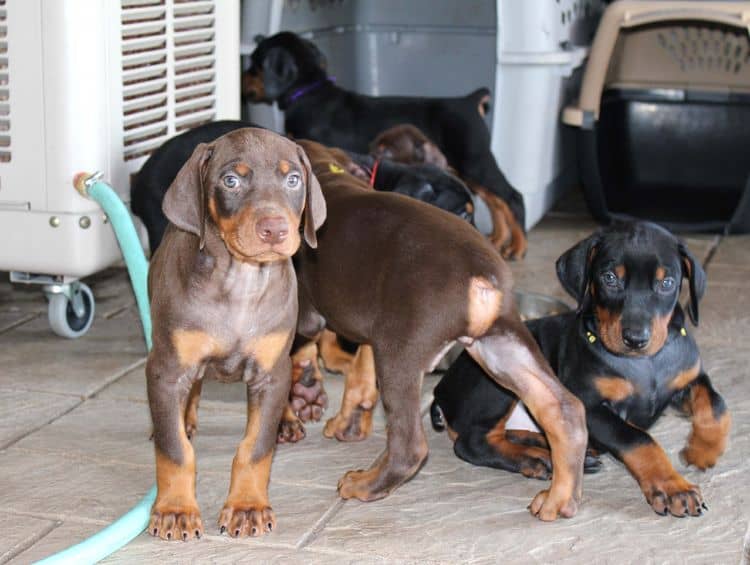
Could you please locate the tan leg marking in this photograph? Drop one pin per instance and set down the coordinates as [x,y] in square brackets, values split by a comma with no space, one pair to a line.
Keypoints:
[354,420]
[614,388]
[334,358]
[664,488]
[534,461]
[484,304]
[246,511]
[708,437]
[194,346]
[175,514]
[267,349]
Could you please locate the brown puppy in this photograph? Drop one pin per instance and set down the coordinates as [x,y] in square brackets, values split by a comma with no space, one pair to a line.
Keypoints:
[224,304]
[407,144]
[433,280]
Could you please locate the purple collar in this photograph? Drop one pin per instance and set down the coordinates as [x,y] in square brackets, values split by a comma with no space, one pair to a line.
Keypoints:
[301,91]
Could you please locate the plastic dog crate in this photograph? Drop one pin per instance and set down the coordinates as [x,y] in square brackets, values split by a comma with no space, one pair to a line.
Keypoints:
[87,85]
[664,113]
[526,51]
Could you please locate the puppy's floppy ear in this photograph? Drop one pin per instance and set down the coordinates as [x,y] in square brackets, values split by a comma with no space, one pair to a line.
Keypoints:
[574,269]
[320,59]
[315,204]
[185,201]
[693,271]
[279,72]
[258,38]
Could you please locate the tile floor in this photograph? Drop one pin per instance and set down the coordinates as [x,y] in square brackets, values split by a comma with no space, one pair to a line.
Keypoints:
[74,451]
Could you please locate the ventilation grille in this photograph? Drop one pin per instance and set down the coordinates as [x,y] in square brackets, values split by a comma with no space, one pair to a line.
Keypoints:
[706,49]
[5,149]
[168,78]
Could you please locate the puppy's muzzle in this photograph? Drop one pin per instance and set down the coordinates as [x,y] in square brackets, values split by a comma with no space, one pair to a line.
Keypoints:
[272,229]
[636,338]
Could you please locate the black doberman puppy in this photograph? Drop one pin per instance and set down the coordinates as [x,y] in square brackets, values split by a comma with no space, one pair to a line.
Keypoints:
[287,70]
[625,353]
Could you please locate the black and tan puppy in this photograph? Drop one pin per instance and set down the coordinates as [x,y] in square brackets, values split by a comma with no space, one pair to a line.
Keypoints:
[430,279]
[626,353]
[224,305]
[287,70]
[405,143]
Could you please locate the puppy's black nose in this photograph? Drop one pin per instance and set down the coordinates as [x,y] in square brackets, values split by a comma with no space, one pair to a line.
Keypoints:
[636,338]
[272,229]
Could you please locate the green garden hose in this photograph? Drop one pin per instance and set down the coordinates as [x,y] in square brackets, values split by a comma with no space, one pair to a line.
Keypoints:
[131,524]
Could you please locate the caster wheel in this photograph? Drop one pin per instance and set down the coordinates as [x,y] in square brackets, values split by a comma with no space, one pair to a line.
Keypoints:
[71,317]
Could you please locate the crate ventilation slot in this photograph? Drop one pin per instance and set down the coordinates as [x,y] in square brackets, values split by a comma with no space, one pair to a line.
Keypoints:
[706,49]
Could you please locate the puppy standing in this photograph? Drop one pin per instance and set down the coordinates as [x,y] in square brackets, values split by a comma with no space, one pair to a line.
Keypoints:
[440,284]
[224,304]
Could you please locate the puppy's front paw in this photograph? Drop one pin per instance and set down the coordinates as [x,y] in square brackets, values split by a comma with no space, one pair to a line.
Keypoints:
[675,496]
[172,523]
[547,506]
[247,520]
[291,430]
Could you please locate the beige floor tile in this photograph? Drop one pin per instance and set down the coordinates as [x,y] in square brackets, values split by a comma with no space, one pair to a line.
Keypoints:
[22,412]
[35,359]
[20,533]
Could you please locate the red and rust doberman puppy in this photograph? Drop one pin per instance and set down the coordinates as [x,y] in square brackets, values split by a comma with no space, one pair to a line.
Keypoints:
[224,304]
[432,280]
[405,143]
[626,354]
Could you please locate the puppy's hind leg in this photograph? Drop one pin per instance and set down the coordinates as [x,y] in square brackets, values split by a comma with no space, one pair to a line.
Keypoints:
[354,420]
[493,449]
[510,355]
[400,381]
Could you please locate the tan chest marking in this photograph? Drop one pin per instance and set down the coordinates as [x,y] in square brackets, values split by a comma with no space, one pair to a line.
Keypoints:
[614,388]
[685,377]
[267,349]
[195,346]
[484,304]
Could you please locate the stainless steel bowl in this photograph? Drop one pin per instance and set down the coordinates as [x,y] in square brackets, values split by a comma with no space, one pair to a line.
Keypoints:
[533,305]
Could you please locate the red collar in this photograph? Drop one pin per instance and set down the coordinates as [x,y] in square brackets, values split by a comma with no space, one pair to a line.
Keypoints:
[374,172]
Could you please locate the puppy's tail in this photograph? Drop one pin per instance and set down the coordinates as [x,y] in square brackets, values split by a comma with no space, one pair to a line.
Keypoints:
[481,99]
[436,415]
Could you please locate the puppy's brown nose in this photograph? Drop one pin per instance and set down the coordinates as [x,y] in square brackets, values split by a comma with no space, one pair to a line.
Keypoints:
[272,229]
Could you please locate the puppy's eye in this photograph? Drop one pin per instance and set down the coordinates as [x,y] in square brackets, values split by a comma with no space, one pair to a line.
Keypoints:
[293,180]
[610,279]
[230,182]
[666,284]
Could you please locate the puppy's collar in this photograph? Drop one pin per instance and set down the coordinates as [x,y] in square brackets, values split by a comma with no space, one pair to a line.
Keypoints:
[302,90]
